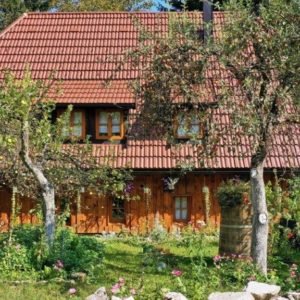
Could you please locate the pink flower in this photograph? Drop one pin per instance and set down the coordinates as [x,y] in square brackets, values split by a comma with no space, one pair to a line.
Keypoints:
[72,291]
[115,288]
[132,291]
[58,265]
[292,274]
[217,258]
[176,273]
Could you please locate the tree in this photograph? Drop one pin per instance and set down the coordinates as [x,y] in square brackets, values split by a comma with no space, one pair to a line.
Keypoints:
[101,5]
[10,10]
[188,5]
[260,51]
[259,92]
[34,157]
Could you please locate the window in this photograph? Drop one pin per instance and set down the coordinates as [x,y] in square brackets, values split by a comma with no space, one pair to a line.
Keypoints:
[118,210]
[181,209]
[109,125]
[188,125]
[77,124]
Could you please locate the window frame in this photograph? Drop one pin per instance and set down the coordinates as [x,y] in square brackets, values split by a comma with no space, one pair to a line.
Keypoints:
[189,200]
[189,135]
[83,121]
[112,219]
[109,135]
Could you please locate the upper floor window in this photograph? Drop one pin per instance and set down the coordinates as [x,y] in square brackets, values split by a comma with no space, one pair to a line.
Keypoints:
[77,124]
[109,125]
[188,125]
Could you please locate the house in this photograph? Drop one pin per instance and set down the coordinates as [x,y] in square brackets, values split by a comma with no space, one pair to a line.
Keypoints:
[82,50]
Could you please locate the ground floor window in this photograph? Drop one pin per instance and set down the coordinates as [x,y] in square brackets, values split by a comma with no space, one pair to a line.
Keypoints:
[181,208]
[118,210]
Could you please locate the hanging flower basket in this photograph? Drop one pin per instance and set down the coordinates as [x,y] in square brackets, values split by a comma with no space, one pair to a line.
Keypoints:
[169,183]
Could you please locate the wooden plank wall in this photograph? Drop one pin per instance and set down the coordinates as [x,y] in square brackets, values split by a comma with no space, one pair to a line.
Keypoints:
[95,211]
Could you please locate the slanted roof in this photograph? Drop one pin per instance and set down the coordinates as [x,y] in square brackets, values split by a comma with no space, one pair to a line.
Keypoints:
[82,50]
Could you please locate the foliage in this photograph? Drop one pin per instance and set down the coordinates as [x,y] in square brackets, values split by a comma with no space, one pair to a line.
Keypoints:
[10,10]
[27,257]
[34,155]
[257,52]
[101,5]
[151,268]
[233,192]
[284,207]
[191,5]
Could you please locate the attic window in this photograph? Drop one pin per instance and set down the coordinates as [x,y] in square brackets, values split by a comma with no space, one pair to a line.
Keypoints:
[109,125]
[188,125]
[77,124]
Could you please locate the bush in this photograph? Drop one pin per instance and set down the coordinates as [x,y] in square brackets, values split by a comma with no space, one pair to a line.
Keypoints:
[27,253]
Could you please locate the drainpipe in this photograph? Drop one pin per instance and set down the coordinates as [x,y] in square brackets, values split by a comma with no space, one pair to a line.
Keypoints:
[207,19]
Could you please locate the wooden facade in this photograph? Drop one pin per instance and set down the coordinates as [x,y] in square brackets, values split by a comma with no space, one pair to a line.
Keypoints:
[94,214]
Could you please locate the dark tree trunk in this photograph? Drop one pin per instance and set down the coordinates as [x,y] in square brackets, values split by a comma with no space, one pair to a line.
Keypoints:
[259,244]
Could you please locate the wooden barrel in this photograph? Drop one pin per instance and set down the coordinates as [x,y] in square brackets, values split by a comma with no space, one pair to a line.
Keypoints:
[235,230]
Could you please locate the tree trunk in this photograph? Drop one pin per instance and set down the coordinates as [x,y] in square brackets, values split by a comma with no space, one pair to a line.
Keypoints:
[47,189]
[49,215]
[259,244]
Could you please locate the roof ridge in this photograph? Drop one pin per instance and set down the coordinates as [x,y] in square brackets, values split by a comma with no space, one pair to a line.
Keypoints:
[24,15]
[109,12]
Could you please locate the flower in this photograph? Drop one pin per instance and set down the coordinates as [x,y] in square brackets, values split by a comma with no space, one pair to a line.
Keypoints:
[132,291]
[58,265]
[217,258]
[115,288]
[293,274]
[72,291]
[176,273]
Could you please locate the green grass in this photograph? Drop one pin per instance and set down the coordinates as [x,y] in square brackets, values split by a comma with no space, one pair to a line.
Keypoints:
[124,257]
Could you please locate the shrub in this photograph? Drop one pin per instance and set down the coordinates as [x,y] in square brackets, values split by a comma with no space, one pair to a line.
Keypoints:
[27,253]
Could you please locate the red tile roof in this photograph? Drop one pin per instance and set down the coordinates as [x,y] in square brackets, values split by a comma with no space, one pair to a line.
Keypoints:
[83,49]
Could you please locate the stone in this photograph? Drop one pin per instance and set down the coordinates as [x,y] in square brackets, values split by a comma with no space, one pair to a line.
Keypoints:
[117,298]
[293,295]
[79,276]
[231,296]
[262,291]
[100,294]
[174,296]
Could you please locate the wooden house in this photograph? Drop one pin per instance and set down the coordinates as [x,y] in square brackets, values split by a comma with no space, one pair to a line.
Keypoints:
[82,50]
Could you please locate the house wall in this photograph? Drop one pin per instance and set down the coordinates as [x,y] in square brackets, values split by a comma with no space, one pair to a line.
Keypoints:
[94,215]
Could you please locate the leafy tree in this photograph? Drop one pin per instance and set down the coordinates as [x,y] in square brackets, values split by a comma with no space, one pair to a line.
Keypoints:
[101,5]
[33,156]
[259,92]
[10,10]
[188,5]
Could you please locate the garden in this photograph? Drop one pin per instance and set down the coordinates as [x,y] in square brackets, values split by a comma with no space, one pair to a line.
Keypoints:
[147,267]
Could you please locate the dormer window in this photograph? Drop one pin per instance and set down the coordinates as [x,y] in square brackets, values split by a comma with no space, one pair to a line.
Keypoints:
[109,125]
[188,125]
[77,124]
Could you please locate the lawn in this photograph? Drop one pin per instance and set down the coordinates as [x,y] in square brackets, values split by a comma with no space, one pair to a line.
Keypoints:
[147,266]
